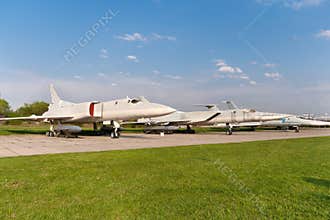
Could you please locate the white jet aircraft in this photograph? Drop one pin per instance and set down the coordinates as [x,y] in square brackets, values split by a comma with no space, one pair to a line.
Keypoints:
[212,117]
[62,112]
[325,117]
[289,122]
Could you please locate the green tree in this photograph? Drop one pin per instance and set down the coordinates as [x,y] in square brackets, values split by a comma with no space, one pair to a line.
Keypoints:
[4,108]
[36,108]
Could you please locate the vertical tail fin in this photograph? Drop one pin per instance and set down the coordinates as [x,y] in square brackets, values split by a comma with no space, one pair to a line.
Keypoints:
[231,105]
[55,98]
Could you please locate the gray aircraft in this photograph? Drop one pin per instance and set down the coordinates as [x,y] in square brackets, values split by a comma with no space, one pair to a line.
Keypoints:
[212,117]
[325,117]
[109,113]
[290,122]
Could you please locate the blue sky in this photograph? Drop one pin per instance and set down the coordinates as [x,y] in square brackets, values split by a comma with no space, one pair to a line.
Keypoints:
[272,55]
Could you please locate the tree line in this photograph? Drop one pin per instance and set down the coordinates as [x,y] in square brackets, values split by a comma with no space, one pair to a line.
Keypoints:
[35,108]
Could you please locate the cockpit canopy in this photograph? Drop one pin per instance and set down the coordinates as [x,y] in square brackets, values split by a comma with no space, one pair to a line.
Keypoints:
[250,110]
[137,100]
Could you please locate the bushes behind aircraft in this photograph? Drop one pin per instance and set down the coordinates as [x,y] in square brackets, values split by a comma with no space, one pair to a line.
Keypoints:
[35,108]
[5,109]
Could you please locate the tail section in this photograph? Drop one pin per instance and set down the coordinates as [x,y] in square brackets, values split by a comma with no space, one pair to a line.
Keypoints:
[55,98]
[211,107]
[231,105]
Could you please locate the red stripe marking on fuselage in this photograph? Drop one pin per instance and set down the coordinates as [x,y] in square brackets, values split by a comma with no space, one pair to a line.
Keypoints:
[91,109]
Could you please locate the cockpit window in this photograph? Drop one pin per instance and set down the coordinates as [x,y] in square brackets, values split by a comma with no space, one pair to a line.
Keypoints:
[135,101]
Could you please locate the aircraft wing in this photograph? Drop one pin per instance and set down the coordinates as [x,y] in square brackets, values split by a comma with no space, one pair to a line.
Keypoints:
[205,118]
[175,122]
[192,119]
[157,122]
[37,118]
[188,119]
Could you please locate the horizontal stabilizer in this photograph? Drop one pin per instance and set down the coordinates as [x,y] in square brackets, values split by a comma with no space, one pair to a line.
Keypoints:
[211,107]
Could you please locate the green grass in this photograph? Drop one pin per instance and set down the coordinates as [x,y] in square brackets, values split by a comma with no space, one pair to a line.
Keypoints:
[23,129]
[285,179]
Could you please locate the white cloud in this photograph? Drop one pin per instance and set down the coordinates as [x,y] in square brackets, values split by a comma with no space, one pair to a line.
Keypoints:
[77,77]
[156,72]
[101,75]
[156,36]
[227,69]
[269,65]
[324,34]
[274,76]
[132,37]
[253,62]
[224,68]
[174,77]
[244,76]
[104,54]
[138,37]
[230,72]
[294,4]
[132,58]
[220,63]
[238,70]
[298,4]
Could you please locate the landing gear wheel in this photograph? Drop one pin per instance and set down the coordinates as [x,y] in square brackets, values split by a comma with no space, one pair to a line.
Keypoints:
[50,134]
[114,134]
[296,129]
[229,130]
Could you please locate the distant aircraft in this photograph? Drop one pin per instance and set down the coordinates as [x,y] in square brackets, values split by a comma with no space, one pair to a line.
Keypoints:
[326,117]
[289,122]
[62,112]
[212,117]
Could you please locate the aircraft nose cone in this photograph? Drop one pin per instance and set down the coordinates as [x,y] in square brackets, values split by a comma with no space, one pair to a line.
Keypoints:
[164,110]
[168,110]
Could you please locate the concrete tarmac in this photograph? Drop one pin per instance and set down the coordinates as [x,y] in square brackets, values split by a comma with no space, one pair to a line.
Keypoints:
[24,145]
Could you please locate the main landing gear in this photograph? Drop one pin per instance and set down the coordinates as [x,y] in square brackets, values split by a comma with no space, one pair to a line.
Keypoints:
[189,130]
[112,129]
[229,130]
[296,129]
[52,132]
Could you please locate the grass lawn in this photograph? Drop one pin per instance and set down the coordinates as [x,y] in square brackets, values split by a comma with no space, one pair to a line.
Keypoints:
[285,179]
[23,129]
